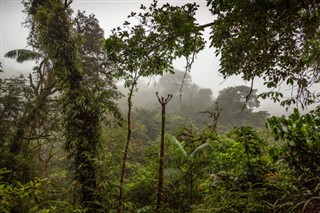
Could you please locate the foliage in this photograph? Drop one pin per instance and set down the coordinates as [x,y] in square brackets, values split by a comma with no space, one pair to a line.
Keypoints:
[34,196]
[134,51]
[81,107]
[20,198]
[141,190]
[204,170]
[189,99]
[254,165]
[149,47]
[15,104]
[237,105]
[37,128]
[13,100]
[239,173]
[275,40]
[96,74]
[302,149]
[196,107]
[183,170]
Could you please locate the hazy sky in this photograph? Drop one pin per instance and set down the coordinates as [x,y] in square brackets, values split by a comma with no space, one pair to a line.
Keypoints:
[110,15]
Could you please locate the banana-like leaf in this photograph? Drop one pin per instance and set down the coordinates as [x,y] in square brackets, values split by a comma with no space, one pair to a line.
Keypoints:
[177,146]
[199,150]
[22,55]
[170,172]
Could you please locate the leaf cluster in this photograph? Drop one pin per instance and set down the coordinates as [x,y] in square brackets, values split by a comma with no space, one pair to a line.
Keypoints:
[275,40]
[302,135]
[149,47]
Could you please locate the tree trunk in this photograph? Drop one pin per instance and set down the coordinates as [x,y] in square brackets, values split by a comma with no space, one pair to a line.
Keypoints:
[125,154]
[161,160]
[53,34]
[163,102]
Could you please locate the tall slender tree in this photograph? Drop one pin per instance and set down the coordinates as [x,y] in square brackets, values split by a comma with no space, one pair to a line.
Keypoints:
[136,52]
[163,102]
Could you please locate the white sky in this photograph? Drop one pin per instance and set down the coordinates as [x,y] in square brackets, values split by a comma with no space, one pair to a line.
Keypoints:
[110,15]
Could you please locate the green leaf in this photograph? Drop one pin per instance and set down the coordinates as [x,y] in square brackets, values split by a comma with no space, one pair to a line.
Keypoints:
[176,145]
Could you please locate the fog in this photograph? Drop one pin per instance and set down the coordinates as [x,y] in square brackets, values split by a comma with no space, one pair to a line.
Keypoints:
[111,14]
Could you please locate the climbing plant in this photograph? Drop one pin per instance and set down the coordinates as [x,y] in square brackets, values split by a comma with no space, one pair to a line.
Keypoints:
[81,108]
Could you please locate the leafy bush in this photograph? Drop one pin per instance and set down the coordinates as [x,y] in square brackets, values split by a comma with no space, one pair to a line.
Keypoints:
[302,150]
[31,197]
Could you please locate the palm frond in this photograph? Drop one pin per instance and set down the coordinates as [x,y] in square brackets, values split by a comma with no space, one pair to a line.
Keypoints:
[22,55]
[170,172]
[177,146]
[199,150]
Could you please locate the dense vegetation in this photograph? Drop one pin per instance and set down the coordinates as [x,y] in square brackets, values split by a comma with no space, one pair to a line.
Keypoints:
[70,141]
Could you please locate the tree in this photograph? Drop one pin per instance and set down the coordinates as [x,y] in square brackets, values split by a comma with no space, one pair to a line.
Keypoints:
[275,40]
[15,103]
[97,74]
[23,55]
[190,98]
[237,97]
[39,120]
[135,51]
[171,83]
[237,105]
[203,98]
[81,107]
[163,102]
[40,124]
[148,118]
[129,69]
